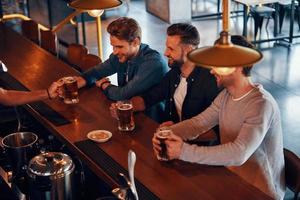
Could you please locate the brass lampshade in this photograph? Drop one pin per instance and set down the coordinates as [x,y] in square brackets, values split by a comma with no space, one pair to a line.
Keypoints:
[224,53]
[95,8]
[95,4]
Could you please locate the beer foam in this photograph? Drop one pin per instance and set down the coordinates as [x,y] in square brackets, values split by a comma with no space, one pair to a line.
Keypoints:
[69,79]
[125,107]
[164,133]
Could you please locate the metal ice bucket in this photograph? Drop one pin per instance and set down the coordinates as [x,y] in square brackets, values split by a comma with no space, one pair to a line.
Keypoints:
[19,148]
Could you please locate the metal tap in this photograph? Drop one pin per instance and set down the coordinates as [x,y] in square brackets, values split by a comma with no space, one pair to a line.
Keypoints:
[123,192]
[127,189]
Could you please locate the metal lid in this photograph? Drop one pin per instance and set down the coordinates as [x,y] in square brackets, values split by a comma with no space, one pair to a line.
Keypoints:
[19,140]
[50,164]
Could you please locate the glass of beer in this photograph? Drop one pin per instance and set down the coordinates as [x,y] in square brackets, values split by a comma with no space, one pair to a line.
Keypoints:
[125,115]
[70,90]
[162,135]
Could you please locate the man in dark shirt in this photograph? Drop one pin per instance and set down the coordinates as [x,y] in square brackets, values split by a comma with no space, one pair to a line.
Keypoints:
[187,89]
[138,67]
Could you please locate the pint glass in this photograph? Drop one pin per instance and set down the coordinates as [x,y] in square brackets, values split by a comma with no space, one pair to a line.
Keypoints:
[125,116]
[162,134]
[70,90]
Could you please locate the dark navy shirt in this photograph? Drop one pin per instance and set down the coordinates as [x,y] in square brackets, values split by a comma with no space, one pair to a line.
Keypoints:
[201,91]
[135,76]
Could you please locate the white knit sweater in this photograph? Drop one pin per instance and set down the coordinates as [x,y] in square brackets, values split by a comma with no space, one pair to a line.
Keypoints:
[251,139]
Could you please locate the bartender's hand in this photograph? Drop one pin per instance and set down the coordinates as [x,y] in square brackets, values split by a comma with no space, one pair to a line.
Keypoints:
[103,83]
[174,145]
[113,110]
[167,123]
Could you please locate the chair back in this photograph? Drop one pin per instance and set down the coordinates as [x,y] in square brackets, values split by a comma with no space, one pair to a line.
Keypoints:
[292,172]
[75,53]
[30,30]
[49,41]
[89,61]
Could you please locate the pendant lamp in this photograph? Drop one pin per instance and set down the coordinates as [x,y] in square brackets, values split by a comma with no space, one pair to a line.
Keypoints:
[224,54]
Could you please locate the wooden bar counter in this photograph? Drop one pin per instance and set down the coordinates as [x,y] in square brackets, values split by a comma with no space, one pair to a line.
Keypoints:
[36,69]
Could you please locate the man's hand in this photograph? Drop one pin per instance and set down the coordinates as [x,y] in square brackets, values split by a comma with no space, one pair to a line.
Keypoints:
[174,145]
[156,146]
[80,81]
[138,103]
[103,83]
[113,110]
[165,124]
[53,90]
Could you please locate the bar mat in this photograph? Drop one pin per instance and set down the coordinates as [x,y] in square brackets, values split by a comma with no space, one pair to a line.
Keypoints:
[6,191]
[42,108]
[111,167]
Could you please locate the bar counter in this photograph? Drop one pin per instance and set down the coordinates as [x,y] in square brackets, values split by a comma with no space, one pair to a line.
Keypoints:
[34,68]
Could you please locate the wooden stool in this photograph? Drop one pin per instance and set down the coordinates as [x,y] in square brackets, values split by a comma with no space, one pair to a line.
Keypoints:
[75,53]
[292,172]
[30,30]
[49,41]
[89,61]
[259,13]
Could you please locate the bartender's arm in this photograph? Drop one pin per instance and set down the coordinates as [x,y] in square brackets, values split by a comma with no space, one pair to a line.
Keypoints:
[14,97]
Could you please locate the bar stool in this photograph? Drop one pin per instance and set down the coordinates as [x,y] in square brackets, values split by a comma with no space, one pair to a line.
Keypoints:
[75,53]
[259,13]
[49,41]
[30,30]
[292,172]
[89,61]
[285,5]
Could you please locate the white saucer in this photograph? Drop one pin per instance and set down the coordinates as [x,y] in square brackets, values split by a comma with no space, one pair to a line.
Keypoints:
[99,135]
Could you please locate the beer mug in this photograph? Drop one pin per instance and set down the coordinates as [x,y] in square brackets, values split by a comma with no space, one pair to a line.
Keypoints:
[69,89]
[162,135]
[125,115]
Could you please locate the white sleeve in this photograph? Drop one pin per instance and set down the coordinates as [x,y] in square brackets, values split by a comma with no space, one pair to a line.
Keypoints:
[201,123]
[257,122]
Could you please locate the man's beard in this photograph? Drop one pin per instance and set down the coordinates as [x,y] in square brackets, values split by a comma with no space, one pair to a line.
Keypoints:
[176,64]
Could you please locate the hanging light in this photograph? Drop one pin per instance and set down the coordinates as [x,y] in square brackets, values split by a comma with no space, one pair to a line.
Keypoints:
[95,8]
[95,4]
[224,70]
[224,54]
[95,13]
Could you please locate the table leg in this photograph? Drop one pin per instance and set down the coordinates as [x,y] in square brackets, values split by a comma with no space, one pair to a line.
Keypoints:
[245,19]
[276,19]
[292,22]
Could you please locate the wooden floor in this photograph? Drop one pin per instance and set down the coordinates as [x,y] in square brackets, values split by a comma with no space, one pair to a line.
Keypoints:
[279,71]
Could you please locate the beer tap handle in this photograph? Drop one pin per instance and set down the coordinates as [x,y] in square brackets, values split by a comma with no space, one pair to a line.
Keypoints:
[123,181]
[131,164]
[123,192]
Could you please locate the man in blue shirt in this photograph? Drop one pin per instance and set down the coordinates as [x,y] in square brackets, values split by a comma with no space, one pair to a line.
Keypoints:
[138,67]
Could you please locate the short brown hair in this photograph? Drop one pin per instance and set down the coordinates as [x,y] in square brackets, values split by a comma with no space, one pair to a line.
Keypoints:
[187,32]
[125,28]
[242,41]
